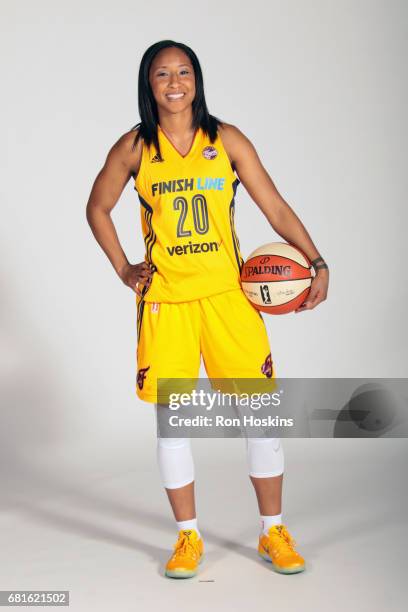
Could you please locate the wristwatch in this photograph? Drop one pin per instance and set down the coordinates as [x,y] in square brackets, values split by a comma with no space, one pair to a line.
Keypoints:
[319,263]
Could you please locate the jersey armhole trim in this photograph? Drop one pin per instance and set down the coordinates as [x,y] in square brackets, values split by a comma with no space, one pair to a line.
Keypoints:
[143,168]
[230,163]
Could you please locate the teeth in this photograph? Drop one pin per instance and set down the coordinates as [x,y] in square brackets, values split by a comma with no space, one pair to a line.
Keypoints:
[175,96]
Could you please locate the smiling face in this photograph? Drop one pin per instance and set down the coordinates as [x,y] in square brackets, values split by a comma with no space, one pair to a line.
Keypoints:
[172,80]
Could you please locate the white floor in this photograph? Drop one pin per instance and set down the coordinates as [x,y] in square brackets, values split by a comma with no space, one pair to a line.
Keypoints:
[102,529]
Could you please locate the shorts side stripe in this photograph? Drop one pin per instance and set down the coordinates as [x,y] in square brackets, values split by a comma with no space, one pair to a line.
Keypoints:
[140,309]
[151,237]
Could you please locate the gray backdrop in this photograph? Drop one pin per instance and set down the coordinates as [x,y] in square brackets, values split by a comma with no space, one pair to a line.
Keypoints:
[320,89]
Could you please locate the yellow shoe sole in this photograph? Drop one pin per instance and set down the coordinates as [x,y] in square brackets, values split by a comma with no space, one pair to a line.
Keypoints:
[294,570]
[182,573]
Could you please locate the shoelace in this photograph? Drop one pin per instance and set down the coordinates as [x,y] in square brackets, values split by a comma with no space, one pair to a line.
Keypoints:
[286,536]
[182,546]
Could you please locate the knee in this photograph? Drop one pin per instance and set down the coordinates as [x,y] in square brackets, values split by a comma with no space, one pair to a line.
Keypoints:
[265,457]
[175,462]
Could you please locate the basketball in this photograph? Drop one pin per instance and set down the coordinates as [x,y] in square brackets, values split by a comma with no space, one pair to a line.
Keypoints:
[276,278]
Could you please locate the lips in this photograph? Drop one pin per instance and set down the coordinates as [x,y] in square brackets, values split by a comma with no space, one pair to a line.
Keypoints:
[177,96]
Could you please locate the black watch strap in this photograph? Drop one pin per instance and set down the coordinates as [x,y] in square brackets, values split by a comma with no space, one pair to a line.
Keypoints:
[319,263]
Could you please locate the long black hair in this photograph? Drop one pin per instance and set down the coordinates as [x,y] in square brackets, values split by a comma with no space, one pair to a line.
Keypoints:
[147,104]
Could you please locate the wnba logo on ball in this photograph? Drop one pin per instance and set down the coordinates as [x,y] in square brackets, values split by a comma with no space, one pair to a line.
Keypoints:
[266,298]
[210,152]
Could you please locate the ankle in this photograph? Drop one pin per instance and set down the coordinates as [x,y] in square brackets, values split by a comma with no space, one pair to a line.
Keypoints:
[268,521]
[187,525]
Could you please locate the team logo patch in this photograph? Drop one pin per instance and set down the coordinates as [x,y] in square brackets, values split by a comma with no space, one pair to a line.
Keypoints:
[155,159]
[141,376]
[267,366]
[210,152]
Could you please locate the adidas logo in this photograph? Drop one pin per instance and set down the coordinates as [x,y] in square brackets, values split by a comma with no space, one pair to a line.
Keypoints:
[156,158]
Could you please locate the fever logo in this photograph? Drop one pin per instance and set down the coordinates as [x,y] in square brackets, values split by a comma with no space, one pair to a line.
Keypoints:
[141,376]
[267,366]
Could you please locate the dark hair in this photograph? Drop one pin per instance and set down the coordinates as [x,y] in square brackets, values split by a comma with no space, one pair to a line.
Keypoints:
[147,104]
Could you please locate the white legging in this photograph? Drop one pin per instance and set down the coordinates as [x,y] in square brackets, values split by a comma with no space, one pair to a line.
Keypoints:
[264,455]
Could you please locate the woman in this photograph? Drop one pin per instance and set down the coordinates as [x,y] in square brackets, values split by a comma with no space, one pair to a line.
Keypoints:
[189,299]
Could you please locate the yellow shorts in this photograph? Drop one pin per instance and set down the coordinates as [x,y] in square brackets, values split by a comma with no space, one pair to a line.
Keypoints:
[225,329]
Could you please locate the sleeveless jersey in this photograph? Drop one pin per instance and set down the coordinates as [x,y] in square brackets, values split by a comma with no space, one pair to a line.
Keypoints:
[187,216]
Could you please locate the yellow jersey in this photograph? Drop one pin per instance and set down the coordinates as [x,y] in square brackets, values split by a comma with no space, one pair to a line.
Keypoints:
[187,216]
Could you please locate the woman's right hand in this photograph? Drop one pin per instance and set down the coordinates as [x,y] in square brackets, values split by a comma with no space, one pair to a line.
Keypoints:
[134,274]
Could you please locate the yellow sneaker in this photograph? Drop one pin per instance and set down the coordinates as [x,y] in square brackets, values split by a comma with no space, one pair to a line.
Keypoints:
[188,553]
[278,548]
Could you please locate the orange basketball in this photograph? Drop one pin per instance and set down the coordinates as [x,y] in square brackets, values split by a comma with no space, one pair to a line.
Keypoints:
[276,278]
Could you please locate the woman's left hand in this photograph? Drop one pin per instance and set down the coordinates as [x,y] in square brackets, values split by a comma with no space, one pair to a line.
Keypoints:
[318,290]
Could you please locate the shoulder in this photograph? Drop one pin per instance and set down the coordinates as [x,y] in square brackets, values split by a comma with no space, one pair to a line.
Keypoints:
[234,140]
[127,151]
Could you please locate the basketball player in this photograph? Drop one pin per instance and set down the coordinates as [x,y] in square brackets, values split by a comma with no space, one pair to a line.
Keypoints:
[186,166]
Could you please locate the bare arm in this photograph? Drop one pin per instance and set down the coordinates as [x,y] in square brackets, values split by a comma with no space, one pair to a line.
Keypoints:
[280,215]
[119,166]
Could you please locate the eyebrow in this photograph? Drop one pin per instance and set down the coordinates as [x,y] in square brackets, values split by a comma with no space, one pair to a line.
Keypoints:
[166,66]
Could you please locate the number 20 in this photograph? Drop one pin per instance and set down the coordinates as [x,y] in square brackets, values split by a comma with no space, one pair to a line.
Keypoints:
[200,214]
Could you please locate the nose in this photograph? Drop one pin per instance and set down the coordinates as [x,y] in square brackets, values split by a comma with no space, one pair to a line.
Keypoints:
[173,78]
